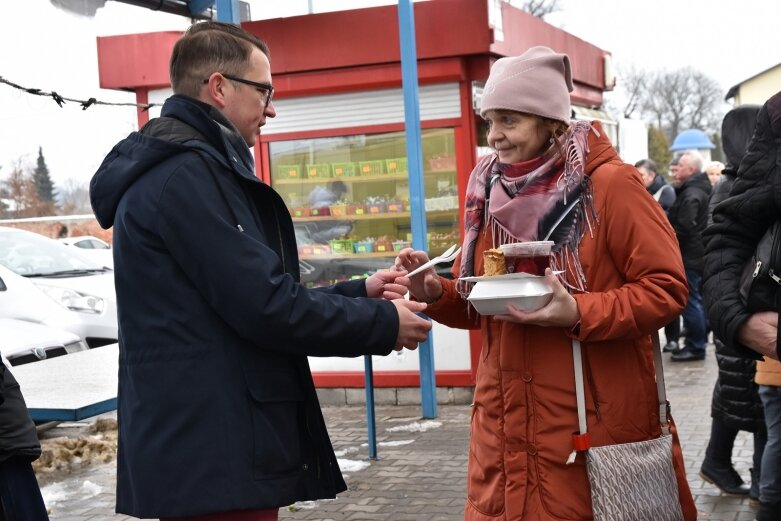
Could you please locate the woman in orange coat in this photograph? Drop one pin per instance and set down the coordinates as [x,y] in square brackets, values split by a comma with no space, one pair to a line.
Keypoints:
[623,279]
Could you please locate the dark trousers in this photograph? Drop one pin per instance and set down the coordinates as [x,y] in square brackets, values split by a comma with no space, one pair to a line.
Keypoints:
[694,314]
[672,331]
[20,496]
[722,441]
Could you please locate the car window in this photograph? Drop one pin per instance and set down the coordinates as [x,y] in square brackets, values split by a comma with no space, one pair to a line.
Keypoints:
[32,254]
[3,287]
[87,244]
[97,245]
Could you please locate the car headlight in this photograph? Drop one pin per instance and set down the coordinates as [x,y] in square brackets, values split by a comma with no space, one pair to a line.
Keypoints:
[73,300]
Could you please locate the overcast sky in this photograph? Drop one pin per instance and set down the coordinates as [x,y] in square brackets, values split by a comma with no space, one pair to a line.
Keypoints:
[46,48]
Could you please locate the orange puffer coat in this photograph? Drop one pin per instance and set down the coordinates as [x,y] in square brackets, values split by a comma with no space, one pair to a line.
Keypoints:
[524,411]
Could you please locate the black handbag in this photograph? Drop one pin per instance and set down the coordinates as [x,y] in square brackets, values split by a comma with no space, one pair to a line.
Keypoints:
[761,278]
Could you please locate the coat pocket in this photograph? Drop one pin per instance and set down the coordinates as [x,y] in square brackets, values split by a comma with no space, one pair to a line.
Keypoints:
[277,410]
[485,488]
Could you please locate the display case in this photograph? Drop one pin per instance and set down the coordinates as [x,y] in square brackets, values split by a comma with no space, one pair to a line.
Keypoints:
[350,203]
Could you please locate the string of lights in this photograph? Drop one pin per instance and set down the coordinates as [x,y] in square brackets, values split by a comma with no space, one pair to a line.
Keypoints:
[85,104]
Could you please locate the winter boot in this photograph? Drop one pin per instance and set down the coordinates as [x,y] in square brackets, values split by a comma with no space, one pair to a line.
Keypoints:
[725,477]
[753,493]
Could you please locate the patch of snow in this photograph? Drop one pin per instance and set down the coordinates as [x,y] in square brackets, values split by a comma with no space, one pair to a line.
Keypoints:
[347,465]
[416,427]
[398,443]
[53,493]
[344,451]
[90,489]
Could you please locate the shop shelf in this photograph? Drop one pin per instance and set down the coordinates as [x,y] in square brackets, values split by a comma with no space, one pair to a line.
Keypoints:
[442,163]
[400,245]
[301,211]
[372,167]
[394,206]
[316,170]
[396,165]
[356,209]
[290,172]
[375,208]
[344,169]
[320,212]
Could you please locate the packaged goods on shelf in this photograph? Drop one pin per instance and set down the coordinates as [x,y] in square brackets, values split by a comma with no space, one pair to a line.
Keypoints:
[356,209]
[291,172]
[383,246]
[301,211]
[375,208]
[344,169]
[363,246]
[396,165]
[400,245]
[371,167]
[442,163]
[394,206]
[341,246]
[318,170]
[320,212]
[338,209]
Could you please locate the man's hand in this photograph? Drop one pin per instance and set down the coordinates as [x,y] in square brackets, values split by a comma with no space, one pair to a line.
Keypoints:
[412,328]
[561,311]
[759,333]
[425,286]
[382,285]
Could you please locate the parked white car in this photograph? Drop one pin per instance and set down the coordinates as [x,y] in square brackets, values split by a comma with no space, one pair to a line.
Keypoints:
[22,342]
[44,281]
[92,247]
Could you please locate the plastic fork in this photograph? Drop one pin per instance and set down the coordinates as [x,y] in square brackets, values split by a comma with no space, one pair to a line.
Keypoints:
[447,256]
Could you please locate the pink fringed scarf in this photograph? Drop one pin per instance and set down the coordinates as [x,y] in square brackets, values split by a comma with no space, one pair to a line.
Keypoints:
[553,201]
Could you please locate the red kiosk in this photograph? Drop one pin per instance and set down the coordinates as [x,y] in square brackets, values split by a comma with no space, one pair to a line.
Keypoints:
[336,151]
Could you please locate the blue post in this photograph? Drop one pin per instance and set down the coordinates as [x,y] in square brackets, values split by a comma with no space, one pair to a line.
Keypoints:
[409,77]
[370,418]
[228,11]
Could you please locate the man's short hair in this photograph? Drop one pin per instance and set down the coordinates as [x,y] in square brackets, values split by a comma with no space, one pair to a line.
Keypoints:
[209,47]
[694,159]
[648,164]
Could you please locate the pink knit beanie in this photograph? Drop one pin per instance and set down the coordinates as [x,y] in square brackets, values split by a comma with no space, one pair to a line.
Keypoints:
[537,82]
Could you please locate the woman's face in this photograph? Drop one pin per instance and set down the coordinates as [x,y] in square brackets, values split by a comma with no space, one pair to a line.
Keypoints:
[516,136]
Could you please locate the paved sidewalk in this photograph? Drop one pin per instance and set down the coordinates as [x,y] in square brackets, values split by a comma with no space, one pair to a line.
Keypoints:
[420,474]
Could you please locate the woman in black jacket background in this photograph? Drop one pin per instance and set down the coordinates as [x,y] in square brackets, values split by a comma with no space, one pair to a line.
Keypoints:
[736,405]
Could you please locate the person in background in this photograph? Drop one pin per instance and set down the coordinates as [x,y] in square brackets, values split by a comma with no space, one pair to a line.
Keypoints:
[689,217]
[663,192]
[714,170]
[739,222]
[552,176]
[736,404]
[218,415]
[20,496]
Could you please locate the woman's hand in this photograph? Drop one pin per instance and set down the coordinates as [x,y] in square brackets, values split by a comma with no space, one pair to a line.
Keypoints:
[759,333]
[424,286]
[561,311]
[383,285]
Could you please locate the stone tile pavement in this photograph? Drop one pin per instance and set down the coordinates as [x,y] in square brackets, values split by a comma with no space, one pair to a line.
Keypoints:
[420,473]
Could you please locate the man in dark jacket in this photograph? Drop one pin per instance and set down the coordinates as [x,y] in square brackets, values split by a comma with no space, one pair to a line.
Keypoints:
[738,224]
[217,410]
[689,216]
[20,497]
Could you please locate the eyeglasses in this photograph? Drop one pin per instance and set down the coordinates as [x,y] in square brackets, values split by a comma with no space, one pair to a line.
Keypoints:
[266,89]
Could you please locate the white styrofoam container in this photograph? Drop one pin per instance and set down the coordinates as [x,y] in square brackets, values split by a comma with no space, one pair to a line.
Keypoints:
[491,295]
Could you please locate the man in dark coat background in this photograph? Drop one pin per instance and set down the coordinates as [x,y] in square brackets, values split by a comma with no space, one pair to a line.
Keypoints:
[689,216]
[217,411]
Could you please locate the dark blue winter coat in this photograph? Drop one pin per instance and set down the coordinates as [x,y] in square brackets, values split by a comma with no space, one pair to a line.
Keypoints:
[217,409]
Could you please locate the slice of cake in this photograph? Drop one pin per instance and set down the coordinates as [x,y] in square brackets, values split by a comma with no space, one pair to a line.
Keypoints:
[493,262]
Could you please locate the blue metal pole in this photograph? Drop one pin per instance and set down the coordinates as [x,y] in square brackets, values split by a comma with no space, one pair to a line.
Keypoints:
[228,11]
[370,417]
[409,77]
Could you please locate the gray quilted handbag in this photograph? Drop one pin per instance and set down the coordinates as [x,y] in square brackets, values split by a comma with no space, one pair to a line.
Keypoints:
[632,481]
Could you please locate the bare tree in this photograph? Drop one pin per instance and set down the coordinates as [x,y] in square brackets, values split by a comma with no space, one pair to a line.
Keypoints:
[74,197]
[20,192]
[540,8]
[682,99]
[633,81]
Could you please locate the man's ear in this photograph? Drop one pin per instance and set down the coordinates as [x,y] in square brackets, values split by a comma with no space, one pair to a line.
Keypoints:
[213,92]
